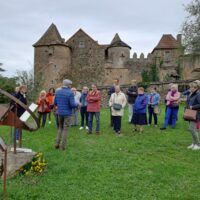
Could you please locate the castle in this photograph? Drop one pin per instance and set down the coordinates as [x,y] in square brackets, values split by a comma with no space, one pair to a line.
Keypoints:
[83,60]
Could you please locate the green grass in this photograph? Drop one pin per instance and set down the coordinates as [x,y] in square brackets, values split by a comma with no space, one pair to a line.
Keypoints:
[153,165]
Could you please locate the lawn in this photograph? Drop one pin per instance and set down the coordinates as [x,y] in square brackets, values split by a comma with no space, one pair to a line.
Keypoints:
[154,165]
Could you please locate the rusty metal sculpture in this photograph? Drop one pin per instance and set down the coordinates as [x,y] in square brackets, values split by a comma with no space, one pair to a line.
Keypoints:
[9,117]
[3,171]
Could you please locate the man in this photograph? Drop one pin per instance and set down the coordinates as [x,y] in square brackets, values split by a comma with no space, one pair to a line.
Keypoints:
[110,92]
[132,95]
[93,108]
[65,102]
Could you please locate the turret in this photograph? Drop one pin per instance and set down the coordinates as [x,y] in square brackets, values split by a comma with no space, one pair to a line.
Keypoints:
[118,52]
[52,57]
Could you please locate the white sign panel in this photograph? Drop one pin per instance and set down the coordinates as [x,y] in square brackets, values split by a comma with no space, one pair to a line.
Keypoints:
[26,114]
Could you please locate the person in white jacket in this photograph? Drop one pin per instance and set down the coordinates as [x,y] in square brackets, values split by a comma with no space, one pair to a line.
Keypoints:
[117,103]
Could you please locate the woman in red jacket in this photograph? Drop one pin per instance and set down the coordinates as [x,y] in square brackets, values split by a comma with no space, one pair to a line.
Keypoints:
[93,108]
[43,107]
[50,97]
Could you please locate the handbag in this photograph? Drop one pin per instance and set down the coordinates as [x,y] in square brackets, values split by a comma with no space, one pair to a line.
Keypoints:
[116,106]
[190,115]
[156,110]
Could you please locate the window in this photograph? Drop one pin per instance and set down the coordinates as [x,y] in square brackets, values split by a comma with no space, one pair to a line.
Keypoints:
[167,56]
[81,45]
[122,55]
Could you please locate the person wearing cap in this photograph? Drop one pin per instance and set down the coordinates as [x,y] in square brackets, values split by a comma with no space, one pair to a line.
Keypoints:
[93,108]
[65,102]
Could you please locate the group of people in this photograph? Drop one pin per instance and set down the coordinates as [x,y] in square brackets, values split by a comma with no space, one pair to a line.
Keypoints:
[66,102]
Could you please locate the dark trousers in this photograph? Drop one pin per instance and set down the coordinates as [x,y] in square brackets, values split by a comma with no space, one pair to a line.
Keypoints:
[43,117]
[84,115]
[151,112]
[117,123]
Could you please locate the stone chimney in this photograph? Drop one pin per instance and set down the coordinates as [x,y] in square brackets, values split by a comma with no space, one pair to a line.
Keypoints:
[179,38]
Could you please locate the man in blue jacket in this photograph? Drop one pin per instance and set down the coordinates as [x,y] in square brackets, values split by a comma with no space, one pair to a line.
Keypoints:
[65,102]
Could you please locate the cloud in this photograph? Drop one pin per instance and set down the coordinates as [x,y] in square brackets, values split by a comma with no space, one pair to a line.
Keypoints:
[140,23]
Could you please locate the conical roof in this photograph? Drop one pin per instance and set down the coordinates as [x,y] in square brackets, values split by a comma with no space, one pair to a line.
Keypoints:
[117,42]
[167,42]
[51,36]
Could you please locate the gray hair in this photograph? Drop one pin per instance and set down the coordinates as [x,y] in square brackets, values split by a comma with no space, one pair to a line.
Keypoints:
[67,82]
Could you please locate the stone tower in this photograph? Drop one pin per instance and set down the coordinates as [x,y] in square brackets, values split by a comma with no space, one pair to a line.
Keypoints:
[52,58]
[166,54]
[118,52]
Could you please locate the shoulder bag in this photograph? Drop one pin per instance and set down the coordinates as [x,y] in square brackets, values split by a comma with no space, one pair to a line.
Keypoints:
[116,106]
[190,115]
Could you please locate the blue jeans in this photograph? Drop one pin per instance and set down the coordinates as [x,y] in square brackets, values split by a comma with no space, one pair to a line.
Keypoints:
[90,120]
[17,133]
[171,112]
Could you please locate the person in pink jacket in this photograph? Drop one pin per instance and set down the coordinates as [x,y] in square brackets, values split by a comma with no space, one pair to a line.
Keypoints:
[93,108]
[172,98]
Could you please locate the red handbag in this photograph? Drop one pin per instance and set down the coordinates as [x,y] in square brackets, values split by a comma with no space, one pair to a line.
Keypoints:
[190,115]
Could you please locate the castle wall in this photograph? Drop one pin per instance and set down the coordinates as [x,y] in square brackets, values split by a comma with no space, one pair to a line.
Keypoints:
[188,64]
[51,62]
[118,56]
[88,59]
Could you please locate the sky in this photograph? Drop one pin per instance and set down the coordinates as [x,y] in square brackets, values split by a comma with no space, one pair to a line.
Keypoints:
[139,23]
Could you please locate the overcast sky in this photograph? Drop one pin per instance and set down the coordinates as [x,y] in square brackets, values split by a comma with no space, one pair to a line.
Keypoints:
[140,23]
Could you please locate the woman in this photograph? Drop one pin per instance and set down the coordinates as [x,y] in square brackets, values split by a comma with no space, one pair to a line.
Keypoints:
[50,98]
[21,96]
[43,107]
[75,111]
[153,101]
[172,98]
[117,98]
[193,102]
[139,111]
[83,108]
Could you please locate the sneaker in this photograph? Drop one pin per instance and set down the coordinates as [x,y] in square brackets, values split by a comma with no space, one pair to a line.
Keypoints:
[17,141]
[89,131]
[163,128]
[87,128]
[155,126]
[196,147]
[57,146]
[49,122]
[81,128]
[191,146]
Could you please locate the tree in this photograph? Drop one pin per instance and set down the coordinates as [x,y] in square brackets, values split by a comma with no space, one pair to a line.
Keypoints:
[33,85]
[150,75]
[1,69]
[191,27]
[7,84]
